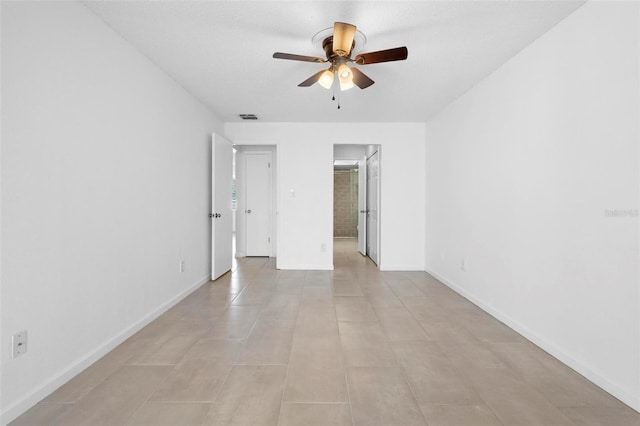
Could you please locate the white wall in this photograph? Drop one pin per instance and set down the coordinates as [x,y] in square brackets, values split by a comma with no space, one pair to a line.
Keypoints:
[520,174]
[305,165]
[105,187]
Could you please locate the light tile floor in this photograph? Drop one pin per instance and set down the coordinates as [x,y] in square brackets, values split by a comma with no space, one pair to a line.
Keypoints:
[352,346]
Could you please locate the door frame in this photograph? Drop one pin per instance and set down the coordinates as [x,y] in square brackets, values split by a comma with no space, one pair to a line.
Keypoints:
[370,149]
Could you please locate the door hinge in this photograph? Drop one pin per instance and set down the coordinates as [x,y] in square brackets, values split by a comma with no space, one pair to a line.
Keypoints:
[269,165]
[268,239]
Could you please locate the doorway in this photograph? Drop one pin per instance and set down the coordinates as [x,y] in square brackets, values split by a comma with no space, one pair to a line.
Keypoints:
[356,199]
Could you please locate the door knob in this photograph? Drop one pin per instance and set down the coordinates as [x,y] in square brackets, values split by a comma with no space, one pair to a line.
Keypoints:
[248,211]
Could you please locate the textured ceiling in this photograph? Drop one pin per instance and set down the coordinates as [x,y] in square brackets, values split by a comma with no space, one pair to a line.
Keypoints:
[221,51]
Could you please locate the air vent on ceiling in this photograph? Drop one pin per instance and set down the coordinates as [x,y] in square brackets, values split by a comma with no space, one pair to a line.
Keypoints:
[248,116]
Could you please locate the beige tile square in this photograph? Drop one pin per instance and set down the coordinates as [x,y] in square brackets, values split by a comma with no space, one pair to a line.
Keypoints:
[381,396]
[315,415]
[313,296]
[459,415]
[84,382]
[222,350]
[431,375]
[514,401]
[253,295]
[169,352]
[398,324]
[195,380]
[355,312]
[43,414]
[169,414]
[116,398]
[316,383]
[293,287]
[346,288]
[602,416]
[268,343]
[316,322]
[404,288]
[320,351]
[386,301]
[364,344]
[281,306]
[235,323]
[251,396]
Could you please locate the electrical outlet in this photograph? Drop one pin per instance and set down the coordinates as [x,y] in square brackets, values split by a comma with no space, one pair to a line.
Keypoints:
[19,344]
[463,265]
[323,247]
[182,266]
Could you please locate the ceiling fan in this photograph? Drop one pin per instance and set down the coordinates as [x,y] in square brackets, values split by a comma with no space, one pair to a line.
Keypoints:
[338,48]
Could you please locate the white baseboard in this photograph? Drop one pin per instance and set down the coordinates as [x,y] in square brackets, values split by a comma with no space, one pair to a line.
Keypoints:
[593,376]
[18,408]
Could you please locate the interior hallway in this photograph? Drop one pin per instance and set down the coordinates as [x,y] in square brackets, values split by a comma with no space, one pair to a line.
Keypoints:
[353,346]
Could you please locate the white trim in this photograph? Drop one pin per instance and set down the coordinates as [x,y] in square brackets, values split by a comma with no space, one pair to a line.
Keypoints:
[590,374]
[18,408]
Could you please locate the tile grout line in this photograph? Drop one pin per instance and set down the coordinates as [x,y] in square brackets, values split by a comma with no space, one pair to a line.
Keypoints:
[286,375]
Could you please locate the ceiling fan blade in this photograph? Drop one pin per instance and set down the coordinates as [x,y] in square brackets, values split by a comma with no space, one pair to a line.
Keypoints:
[343,35]
[360,79]
[291,56]
[397,54]
[311,80]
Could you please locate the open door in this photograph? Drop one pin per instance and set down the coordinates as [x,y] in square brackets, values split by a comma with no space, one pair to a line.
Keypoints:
[362,206]
[372,206]
[221,227]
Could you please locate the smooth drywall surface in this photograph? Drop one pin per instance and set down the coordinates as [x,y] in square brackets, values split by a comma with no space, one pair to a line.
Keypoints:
[105,188]
[305,188]
[533,183]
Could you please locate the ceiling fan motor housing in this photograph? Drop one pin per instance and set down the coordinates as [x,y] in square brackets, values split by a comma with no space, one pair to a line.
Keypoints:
[327,45]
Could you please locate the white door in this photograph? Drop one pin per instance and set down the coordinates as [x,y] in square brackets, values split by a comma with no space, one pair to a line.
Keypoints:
[362,206]
[372,207]
[258,204]
[221,221]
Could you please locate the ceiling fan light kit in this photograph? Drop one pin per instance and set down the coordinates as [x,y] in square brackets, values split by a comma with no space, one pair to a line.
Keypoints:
[326,79]
[338,47]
